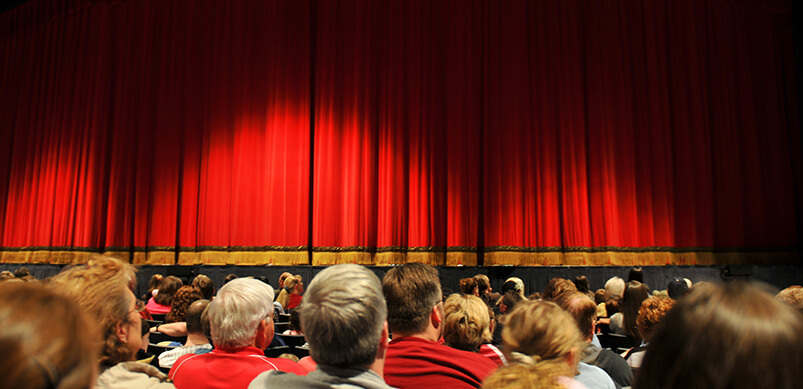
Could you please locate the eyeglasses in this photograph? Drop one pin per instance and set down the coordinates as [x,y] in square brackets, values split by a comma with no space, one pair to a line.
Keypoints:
[139,306]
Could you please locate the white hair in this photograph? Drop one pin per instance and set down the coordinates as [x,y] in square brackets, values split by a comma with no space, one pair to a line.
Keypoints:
[615,286]
[237,310]
[520,285]
[342,316]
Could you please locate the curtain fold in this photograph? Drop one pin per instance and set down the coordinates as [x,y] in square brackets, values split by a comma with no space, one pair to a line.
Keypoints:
[448,132]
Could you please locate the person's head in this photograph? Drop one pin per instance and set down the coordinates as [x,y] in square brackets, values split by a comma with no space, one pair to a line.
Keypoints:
[636,274]
[22,272]
[412,292]
[726,336]
[615,286]
[101,289]
[205,285]
[519,285]
[652,311]
[469,286]
[242,315]
[6,275]
[295,320]
[228,278]
[483,284]
[182,299]
[613,305]
[582,284]
[793,296]
[677,288]
[466,322]
[509,300]
[601,296]
[635,293]
[542,343]
[511,286]
[557,287]
[193,316]
[284,277]
[47,339]
[294,284]
[583,311]
[343,316]
[154,283]
[167,289]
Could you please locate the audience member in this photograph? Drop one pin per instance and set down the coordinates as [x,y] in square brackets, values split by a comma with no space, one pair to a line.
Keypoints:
[793,296]
[47,340]
[652,311]
[726,336]
[205,285]
[600,297]
[344,319]
[291,295]
[102,288]
[6,275]
[295,324]
[557,287]
[415,359]
[185,296]
[153,287]
[197,342]
[282,277]
[487,293]
[583,310]
[241,321]
[583,286]
[519,286]
[228,278]
[636,274]
[469,286]
[624,322]
[677,288]
[22,272]
[615,286]
[541,343]
[467,326]
[161,301]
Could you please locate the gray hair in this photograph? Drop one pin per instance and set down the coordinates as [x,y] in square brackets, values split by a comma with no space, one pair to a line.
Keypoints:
[237,310]
[615,286]
[342,316]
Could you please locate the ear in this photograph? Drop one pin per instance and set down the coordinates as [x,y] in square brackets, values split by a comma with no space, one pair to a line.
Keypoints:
[122,332]
[436,315]
[383,337]
[573,357]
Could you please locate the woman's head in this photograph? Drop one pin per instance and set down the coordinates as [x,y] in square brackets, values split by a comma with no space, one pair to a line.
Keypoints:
[635,293]
[726,336]
[154,283]
[101,289]
[47,340]
[652,311]
[167,289]
[466,323]
[469,286]
[293,284]
[185,296]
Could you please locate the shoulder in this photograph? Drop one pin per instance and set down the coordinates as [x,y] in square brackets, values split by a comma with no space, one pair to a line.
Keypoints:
[132,375]
[286,365]
[594,377]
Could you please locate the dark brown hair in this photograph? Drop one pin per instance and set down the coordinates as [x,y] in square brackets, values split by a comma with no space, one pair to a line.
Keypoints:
[47,340]
[168,288]
[635,293]
[467,285]
[411,291]
[185,296]
[205,285]
[557,287]
[730,336]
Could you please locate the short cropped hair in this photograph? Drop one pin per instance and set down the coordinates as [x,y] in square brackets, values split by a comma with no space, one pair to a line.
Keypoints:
[206,285]
[342,316]
[466,322]
[411,291]
[101,289]
[615,286]
[582,309]
[193,315]
[237,310]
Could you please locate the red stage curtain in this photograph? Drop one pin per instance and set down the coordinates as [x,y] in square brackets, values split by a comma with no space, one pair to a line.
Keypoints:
[450,132]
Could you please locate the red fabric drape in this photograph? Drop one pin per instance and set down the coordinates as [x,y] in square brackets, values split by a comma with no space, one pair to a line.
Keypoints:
[449,132]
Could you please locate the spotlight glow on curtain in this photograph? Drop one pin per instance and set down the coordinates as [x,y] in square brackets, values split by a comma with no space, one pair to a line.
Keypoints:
[451,132]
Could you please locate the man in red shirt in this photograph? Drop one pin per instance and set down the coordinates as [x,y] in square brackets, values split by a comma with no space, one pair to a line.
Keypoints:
[414,358]
[241,320]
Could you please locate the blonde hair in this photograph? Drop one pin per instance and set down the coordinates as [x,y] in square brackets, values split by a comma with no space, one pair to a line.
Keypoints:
[284,295]
[539,338]
[101,289]
[48,341]
[466,323]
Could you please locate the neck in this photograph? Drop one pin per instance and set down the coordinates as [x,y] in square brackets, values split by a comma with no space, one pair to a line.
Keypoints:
[431,334]
[196,339]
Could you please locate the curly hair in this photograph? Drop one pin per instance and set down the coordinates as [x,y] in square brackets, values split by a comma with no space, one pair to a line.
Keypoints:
[651,313]
[466,322]
[185,296]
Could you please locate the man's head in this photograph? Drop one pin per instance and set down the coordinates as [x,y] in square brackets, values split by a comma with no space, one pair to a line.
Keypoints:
[193,315]
[412,291]
[582,309]
[241,314]
[343,316]
[677,288]
[206,285]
